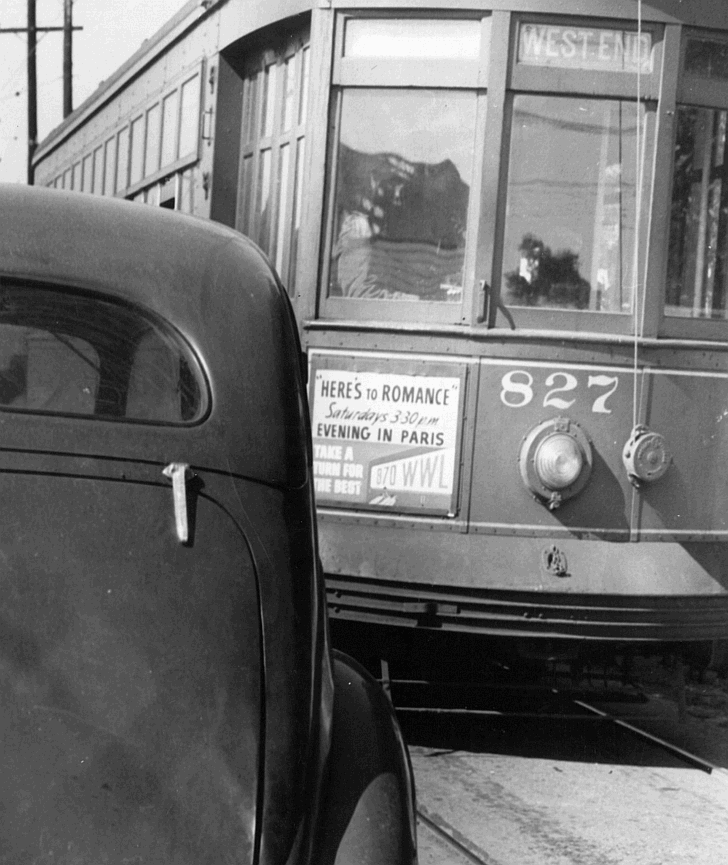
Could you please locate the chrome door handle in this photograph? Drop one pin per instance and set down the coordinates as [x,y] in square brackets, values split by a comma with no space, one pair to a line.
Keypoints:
[179,473]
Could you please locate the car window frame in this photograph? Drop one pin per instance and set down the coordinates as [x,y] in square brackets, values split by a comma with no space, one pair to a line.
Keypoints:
[158,323]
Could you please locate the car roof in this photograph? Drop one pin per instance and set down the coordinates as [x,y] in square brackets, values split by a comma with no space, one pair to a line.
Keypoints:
[110,244]
[208,281]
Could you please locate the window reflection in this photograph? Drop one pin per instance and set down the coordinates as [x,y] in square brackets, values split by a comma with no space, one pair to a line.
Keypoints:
[402,190]
[189,117]
[697,280]
[151,156]
[572,208]
[62,353]
[412,37]
[136,170]
[122,159]
[169,128]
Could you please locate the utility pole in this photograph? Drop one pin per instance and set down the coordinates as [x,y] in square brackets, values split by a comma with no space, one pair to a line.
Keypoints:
[32,30]
[67,57]
[32,90]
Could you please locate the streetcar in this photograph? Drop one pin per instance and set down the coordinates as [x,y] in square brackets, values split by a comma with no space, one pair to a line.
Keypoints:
[503,228]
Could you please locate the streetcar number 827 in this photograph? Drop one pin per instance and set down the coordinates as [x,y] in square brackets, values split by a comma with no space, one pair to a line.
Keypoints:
[518,390]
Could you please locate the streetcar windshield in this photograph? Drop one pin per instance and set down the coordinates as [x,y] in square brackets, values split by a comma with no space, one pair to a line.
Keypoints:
[402,189]
[575,212]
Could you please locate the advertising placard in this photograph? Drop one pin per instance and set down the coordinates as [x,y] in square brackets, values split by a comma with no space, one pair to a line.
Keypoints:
[387,440]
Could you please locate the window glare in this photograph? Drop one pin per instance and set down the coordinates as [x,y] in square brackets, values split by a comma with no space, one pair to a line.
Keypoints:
[571,218]
[136,168]
[402,190]
[122,159]
[51,348]
[189,116]
[169,128]
[412,37]
[151,157]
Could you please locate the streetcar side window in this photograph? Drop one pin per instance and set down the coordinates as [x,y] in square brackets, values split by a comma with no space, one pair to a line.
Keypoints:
[402,189]
[697,268]
[698,250]
[573,217]
[273,148]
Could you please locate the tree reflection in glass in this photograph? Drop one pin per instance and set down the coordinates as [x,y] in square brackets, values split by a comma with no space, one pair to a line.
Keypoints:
[401,195]
[572,206]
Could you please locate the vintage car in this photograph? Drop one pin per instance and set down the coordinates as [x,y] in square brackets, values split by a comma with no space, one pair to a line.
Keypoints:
[169,693]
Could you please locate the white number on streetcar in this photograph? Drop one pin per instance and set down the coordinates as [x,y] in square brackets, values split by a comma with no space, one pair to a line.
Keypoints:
[517,390]
[516,394]
[600,403]
[570,383]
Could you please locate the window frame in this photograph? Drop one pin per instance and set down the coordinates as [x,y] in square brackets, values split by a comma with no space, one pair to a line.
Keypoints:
[98,169]
[280,236]
[572,83]
[392,74]
[87,172]
[158,325]
[137,147]
[118,182]
[690,91]
[179,163]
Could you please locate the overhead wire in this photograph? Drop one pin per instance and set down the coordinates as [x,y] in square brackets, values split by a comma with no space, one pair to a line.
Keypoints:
[637,280]
[15,87]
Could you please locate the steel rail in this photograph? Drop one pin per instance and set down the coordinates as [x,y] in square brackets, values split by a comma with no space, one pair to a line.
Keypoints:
[687,756]
[474,854]
[596,715]
[487,713]
[450,835]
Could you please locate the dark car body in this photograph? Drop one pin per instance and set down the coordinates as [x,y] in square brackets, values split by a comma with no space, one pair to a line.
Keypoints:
[169,694]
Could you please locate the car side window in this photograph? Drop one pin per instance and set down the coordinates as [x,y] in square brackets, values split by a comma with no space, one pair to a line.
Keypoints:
[74,354]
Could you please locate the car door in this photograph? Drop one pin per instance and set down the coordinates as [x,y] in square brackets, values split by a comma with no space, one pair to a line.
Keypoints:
[130,657]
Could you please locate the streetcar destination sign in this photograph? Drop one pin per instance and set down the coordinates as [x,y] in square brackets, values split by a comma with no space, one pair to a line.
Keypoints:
[585,48]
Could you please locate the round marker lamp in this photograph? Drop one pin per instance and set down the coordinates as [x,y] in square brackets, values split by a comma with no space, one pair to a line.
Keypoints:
[555,460]
[558,461]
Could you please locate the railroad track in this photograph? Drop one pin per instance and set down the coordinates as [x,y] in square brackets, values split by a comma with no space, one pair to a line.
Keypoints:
[585,710]
[681,753]
[574,709]
[592,712]
[448,834]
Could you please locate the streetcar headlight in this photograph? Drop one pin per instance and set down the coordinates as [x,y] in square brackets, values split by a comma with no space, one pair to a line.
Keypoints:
[558,461]
[555,460]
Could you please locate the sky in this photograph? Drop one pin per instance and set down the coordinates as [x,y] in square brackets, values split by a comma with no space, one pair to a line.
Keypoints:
[112,32]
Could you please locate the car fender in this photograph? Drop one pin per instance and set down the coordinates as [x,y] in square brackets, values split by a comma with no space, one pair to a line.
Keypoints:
[367,812]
